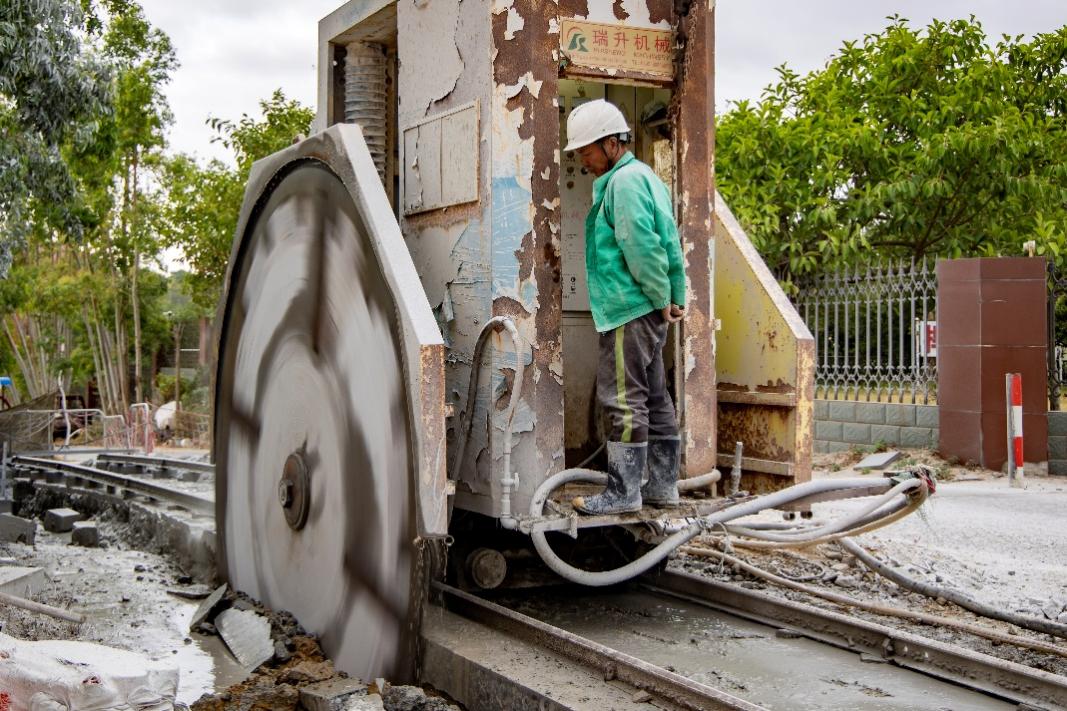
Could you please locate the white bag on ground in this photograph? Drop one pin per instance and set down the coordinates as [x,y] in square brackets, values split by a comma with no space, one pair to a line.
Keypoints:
[57,675]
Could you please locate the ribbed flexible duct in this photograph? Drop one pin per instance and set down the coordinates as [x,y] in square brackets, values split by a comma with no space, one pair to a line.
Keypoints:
[367,96]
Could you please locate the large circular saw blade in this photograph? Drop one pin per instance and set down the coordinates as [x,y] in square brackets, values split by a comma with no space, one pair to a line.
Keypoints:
[313,448]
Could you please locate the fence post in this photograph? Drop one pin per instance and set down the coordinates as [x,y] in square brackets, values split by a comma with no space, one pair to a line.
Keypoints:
[1013,385]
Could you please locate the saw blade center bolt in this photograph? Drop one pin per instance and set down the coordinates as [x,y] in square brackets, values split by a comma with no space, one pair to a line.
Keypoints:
[294,491]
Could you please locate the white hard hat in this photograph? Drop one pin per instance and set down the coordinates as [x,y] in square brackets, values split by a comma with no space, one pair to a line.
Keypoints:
[592,121]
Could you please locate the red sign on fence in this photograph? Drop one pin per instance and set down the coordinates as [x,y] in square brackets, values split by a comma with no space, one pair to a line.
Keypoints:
[925,339]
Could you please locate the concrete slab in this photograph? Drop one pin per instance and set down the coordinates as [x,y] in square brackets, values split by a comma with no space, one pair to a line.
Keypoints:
[879,460]
[14,529]
[331,695]
[85,534]
[60,520]
[247,634]
[207,606]
[22,582]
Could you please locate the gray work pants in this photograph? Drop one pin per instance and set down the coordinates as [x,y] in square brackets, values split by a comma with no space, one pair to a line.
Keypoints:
[632,383]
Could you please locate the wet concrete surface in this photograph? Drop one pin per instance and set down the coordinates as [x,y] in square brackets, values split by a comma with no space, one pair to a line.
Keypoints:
[123,594]
[745,659]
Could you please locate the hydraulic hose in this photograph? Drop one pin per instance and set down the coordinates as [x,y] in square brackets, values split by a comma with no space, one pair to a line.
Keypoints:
[498,323]
[679,538]
[873,521]
[841,524]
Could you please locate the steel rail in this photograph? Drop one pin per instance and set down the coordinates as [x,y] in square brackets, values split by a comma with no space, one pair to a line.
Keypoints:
[658,682]
[160,462]
[192,502]
[942,660]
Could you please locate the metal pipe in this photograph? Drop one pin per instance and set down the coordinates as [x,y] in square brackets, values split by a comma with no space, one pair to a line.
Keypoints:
[510,480]
[735,472]
[703,481]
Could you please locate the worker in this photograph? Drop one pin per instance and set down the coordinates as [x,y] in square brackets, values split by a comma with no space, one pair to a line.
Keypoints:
[636,278]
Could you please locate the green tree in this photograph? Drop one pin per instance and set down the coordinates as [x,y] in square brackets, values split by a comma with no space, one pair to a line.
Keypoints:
[909,143]
[203,201]
[53,90]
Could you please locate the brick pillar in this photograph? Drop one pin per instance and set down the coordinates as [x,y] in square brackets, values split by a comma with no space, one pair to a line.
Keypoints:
[992,320]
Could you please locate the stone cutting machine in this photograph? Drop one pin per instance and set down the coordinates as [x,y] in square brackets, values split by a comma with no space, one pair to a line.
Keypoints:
[406,354]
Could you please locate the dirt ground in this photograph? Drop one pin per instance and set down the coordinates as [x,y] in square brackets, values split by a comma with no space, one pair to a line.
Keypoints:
[1002,546]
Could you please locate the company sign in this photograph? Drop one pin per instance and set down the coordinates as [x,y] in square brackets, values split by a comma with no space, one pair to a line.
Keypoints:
[619,47]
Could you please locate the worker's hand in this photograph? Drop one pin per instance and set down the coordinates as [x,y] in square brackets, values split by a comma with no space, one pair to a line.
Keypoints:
[673,313]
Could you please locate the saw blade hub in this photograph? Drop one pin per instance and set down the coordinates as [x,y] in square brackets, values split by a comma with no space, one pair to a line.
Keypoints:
[294,491]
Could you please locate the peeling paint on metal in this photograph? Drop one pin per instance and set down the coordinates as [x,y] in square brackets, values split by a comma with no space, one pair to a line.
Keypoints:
[428,21]
[515,23]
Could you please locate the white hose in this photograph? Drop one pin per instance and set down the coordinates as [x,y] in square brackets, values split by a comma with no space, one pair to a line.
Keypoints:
[679,538]
[842,524]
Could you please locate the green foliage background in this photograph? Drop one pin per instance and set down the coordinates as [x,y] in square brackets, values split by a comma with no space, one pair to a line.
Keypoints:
[909,143]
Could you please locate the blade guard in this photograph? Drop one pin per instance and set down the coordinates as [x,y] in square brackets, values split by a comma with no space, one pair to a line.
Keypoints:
[342,149]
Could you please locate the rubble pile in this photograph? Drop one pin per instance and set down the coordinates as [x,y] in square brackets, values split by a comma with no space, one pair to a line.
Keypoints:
[298,676]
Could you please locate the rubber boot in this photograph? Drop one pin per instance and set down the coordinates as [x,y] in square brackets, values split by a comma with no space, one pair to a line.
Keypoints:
[626,465]
[662,487]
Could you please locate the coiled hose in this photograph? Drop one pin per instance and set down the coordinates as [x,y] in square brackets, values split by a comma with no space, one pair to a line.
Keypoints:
[695,528]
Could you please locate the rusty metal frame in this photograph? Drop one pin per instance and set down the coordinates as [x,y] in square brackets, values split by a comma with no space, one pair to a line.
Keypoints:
[694,140]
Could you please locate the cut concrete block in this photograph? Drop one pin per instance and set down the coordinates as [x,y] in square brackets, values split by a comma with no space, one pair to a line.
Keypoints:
[1057,448]
[828,431]
[886,434]
[822,410]
[85,534]
[60,520]
[332,694]
[247,634]
[17,530]
[1057,424]
[842,411]
[22,582]
[871,413]
[916,437]
[927,416]
[881,460]
[22,489]
[900,415]
[370,702]
[207,606]
[856,433]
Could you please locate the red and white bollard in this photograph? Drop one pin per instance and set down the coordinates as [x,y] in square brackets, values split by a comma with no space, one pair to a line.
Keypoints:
[1014,388]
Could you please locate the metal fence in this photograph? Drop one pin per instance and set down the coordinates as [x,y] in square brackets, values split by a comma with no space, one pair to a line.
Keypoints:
[875,331]
[1057,336]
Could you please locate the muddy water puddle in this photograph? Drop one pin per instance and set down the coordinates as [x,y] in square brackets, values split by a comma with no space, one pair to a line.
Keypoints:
[742,658]
[123,594]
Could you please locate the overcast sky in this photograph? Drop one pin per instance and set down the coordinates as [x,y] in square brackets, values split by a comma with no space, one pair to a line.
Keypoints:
[234,53]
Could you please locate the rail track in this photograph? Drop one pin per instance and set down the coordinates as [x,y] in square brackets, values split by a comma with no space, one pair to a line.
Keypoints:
[122,485]
[675,640]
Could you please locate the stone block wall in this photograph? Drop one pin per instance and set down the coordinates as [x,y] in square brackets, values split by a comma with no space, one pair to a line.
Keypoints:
[1057,443]
[842,425]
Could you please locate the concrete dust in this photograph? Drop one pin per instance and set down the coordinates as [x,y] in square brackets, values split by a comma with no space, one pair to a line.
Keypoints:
[123,594]
[747,659]
[975,535]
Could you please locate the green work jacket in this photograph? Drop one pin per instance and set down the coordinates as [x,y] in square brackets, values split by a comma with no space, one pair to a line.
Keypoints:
[633,258]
